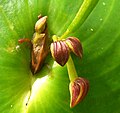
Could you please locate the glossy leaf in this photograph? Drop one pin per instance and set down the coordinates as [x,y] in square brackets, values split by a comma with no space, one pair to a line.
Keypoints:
[99,35]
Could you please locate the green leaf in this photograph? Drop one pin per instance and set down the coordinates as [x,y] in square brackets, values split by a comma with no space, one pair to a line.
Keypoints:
[99,34]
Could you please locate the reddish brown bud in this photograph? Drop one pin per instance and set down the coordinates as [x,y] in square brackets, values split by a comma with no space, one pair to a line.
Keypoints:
[78,90]
[75,46]
[60,52]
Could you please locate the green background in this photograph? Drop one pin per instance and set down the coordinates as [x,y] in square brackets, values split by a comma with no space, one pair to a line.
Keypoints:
[100,37]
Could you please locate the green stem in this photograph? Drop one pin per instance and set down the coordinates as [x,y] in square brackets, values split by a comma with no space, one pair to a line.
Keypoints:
[55,38]
[84,11]
[71,69]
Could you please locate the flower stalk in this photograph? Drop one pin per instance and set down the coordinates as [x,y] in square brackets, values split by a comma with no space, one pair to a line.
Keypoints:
[82,14]
[71,69]
[78,86]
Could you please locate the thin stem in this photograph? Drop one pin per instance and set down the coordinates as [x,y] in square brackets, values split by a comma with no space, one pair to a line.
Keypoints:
[84,11]
[71,69]
[55,38]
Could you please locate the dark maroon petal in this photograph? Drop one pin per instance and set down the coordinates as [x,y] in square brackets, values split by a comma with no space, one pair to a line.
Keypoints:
[75,46]
[65,53]
[60,52]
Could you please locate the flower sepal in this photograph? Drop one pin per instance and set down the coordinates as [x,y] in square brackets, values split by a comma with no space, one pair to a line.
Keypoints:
[75,46]
[60,52]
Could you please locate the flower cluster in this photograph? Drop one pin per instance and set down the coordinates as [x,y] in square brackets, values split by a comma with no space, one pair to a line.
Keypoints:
[61,49]
[39,44]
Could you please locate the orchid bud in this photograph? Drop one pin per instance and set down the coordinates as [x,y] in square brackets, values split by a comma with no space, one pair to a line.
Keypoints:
[40,24]
[75,46]
[60,52]
[78,90]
